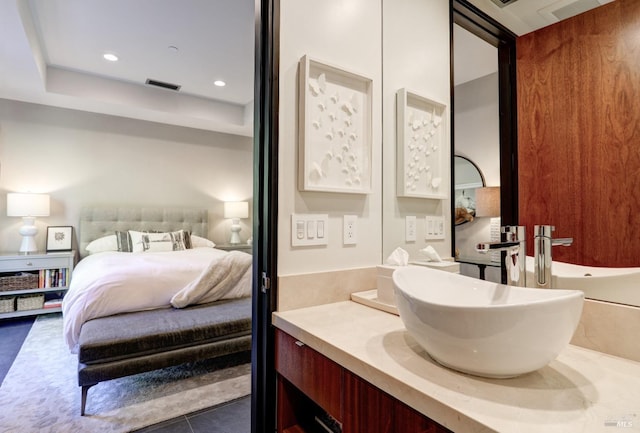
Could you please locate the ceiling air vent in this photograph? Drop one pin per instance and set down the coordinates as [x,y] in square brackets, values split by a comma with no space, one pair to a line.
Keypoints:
[503,3]
[564,9]
[162,84]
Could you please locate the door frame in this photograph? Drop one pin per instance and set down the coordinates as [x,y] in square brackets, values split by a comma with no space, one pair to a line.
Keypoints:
[265,215]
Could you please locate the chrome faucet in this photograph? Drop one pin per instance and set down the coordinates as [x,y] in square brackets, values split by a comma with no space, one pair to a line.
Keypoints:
[515,246]
[542,253]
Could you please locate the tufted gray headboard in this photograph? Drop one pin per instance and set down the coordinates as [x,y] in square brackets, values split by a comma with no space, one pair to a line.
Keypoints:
[96,222]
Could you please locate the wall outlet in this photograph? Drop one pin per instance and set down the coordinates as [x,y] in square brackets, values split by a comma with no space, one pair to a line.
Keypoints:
[309,229]
[434,227]
[350,230]
[410,229]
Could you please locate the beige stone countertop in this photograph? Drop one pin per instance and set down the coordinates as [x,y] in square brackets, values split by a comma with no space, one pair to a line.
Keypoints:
[580,391]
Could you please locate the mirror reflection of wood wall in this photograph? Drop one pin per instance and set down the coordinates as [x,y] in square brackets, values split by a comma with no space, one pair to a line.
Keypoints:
[579,134]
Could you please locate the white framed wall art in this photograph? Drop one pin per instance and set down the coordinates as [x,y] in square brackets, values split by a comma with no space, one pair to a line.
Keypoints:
[334,115]
[421,134]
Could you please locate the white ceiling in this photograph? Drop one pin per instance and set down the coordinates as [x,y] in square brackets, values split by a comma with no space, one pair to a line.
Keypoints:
[474,58]
[51,53]
[525,16]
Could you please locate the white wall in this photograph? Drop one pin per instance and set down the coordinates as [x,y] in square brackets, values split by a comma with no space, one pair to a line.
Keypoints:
[416,57]
[84,159]
[477,125]
[345,34]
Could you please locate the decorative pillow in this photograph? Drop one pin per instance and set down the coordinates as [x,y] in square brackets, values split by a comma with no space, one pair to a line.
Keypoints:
[198,242]
[187,239]
[153,242]
[124,243]
[181,240]
[105,243]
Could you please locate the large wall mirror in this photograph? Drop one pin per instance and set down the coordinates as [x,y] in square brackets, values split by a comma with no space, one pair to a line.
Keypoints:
[399,68]
[415,47]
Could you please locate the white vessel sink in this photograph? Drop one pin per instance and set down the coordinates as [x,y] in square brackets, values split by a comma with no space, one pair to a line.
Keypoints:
[484,328]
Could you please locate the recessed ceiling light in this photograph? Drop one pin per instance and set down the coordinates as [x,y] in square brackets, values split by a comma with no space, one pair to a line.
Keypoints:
[110,57]
[219,83]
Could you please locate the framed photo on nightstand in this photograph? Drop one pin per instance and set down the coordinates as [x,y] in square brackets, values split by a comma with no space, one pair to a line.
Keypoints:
[59,238]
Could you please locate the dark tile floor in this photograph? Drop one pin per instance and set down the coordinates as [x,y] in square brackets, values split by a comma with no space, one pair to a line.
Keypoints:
[230,417]
[12,335]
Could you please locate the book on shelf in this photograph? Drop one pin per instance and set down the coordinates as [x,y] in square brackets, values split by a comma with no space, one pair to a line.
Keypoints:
[48,278]
[53,303]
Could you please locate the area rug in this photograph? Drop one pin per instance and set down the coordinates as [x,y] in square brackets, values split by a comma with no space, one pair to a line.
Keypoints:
[40,392]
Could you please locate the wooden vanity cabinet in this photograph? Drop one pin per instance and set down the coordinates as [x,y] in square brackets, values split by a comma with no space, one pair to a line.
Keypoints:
[309,383]
[302,369]
[363,400]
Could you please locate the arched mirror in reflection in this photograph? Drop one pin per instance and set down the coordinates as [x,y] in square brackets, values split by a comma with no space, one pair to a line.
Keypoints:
[473,201]
[467,178]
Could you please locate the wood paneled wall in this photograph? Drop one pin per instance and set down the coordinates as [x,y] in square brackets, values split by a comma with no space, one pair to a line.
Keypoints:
[579,134]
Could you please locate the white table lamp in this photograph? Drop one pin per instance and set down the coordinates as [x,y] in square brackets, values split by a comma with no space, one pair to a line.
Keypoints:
[236,210]
[28,206]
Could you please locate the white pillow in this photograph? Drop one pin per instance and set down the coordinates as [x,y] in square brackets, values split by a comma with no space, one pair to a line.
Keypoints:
[106,243]
[198,242]
[154,242]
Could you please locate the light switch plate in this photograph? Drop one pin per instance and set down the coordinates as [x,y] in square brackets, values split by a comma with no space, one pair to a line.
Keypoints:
[434,227]
[410,229]
[309,229]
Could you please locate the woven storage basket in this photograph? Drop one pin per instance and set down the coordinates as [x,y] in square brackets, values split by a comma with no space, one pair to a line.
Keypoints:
[7,304]
[30,302]
[18,282]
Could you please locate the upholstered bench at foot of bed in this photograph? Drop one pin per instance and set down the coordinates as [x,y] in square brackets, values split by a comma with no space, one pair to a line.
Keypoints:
[132,343]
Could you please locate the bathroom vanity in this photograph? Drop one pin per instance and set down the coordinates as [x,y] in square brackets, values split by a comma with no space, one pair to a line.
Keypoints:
[360,365]
[311,386]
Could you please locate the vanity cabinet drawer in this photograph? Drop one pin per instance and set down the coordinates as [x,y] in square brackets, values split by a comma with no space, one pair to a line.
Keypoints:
[363,399]
[312,373]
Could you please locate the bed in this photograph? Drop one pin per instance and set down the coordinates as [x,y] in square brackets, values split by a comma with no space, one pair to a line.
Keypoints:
[153,293]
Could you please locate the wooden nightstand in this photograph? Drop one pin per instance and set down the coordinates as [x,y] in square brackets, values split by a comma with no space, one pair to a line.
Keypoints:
[236,247]
[27,281]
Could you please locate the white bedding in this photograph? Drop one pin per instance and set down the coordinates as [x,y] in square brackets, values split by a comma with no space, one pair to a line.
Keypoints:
[112,282]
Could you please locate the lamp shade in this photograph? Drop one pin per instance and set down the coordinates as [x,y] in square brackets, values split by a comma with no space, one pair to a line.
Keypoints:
[27,204]
[236,209]
[488,201]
